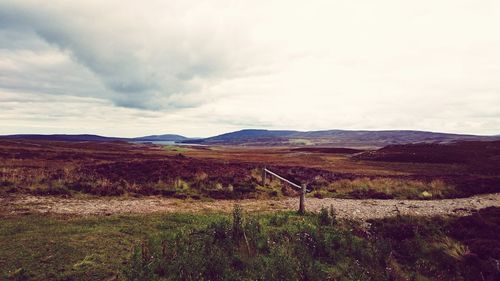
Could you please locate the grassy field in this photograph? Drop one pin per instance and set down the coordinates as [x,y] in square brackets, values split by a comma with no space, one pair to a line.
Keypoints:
[176,148]
[76,248]
[279,246]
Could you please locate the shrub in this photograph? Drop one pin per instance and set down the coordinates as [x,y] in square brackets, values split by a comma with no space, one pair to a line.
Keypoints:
[181,185]
[279,219]
[280,265]
[54,188]
[237,222]
[284,246]
[161,186]
[320,194]
[218,186]
[81,186]
[273,193]
[386,188]
[5,183]
[229,188]
[19,274]
[324,217]
[333,214]
[105,187]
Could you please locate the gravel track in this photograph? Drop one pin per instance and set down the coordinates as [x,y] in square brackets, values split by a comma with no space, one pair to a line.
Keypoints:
[346,208]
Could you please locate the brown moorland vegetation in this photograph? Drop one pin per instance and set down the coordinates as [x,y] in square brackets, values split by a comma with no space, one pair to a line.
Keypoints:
[117,168]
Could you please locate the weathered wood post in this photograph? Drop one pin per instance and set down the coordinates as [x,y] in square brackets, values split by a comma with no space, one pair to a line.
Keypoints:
[264,176]
[302,207]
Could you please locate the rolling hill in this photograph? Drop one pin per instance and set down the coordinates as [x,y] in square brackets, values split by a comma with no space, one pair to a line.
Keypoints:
[167,137]
[61,137]
[256,137]
[338,138]
[86,137]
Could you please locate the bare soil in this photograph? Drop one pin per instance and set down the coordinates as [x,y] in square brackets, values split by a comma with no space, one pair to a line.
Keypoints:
[346,208]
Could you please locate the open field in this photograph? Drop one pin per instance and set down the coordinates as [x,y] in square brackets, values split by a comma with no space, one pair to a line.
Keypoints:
[249,246]
[41,167]
[122,211]
[249,140]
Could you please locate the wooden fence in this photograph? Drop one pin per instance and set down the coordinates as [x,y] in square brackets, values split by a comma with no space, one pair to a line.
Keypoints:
[302,188]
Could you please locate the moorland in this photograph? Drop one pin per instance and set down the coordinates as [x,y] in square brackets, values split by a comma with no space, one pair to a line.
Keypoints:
[233,241]
[410,171]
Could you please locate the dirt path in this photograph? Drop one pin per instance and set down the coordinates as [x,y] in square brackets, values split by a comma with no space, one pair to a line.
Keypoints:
[356,209]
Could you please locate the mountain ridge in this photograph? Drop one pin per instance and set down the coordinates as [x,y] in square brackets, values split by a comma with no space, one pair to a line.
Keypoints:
[343,138]
[164,137]
[91,137]
[263,137]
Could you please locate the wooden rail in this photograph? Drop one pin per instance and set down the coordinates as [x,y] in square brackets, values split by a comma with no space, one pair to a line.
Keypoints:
[302,188]
[282,178]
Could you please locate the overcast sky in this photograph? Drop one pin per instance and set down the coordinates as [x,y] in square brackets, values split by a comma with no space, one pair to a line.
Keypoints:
[200,68]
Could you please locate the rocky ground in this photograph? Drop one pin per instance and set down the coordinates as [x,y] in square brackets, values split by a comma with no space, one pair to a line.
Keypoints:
[348,208]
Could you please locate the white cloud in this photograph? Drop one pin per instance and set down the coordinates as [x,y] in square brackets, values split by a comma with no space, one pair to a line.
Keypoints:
[203,67]
[141,53]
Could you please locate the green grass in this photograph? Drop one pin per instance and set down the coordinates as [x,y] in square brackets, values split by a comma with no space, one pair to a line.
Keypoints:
[50,248]
[300,142]
[276,246]
[176,148]
[285,246]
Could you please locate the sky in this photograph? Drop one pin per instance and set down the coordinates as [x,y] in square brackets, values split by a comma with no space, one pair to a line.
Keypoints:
[204,67]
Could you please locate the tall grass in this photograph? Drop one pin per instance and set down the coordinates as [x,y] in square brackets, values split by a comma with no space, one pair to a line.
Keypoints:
[392,188]
[278,246]
[69,180]
[284,246]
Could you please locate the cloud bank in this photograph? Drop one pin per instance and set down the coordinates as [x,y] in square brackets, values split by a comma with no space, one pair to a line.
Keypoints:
[203,67]
[141,53]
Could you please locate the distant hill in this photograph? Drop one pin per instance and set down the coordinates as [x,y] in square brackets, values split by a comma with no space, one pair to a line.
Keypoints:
[458,152]
[337,138]
[256,137]
[62,137]
[86,137]
[252,133]
[167,137]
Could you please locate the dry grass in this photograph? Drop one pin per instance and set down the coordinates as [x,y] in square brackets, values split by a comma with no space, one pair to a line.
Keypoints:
[55,180]
[396,188]
[66,168]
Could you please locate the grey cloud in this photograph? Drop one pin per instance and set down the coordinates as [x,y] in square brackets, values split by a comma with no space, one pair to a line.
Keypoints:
[206,66]
[139,67]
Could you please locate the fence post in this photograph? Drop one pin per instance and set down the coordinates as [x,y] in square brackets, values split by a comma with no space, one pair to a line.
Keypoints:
[302,207]
[264,176]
